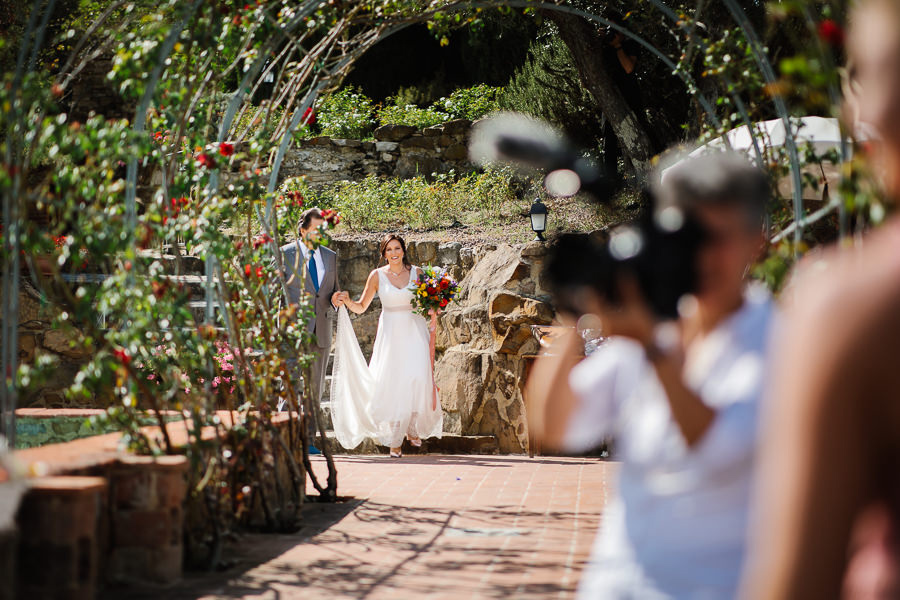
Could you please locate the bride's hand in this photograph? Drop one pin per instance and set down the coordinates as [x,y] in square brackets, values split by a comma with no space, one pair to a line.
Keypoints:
[337,298]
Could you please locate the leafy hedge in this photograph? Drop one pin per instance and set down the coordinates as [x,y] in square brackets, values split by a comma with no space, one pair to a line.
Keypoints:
[348,113]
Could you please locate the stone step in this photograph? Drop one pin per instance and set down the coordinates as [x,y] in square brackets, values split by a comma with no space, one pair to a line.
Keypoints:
[195,283]
[449,443]
[198,310]
[192,265]
[326,410]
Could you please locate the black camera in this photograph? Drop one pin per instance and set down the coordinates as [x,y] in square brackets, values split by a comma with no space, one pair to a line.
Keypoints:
[659,250]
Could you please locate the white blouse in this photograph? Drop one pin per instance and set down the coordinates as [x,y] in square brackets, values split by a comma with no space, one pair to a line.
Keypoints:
[677,525]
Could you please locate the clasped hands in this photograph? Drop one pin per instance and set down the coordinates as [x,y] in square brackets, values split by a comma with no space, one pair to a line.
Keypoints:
[340,298]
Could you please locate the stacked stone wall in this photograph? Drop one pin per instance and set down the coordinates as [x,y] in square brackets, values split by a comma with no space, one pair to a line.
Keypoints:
[397,151]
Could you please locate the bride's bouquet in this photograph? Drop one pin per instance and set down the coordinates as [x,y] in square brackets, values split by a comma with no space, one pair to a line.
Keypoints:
[433,290]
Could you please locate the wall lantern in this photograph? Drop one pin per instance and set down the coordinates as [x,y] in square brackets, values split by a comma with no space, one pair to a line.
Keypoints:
[538,215]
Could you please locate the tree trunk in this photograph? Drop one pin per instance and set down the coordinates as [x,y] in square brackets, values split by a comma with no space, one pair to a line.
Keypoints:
[586,47]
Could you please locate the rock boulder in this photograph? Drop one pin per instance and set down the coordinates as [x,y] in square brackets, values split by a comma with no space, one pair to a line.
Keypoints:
[485,340]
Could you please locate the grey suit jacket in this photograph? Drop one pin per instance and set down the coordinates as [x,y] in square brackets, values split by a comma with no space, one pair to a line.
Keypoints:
[322,324]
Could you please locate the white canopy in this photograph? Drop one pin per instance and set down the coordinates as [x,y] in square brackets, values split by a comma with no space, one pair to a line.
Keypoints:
[818,133]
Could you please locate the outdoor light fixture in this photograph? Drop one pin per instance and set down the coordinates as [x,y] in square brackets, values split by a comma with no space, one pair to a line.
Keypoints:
[538,215]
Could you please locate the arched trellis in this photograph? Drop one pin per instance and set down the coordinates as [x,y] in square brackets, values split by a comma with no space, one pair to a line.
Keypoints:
[327,75]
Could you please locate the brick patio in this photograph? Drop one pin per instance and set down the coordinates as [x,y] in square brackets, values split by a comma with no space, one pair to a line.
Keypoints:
[426,526]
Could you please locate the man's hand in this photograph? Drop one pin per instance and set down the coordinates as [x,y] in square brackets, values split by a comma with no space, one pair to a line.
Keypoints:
[337,298]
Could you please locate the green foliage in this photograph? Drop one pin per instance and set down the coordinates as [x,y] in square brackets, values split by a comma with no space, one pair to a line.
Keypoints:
[376,204]
[471,103]
[258,121]
[774,268]
[412,115]
[347,113]
[548,86]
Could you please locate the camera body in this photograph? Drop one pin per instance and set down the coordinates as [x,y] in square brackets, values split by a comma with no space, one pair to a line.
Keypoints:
[658,251]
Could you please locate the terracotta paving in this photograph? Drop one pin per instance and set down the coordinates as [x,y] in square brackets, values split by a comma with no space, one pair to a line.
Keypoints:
[428,526]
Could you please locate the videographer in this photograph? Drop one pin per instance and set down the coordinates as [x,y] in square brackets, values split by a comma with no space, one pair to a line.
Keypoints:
[678,398]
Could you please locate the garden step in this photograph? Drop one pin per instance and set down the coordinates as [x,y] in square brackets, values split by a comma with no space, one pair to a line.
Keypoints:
[326,410]
[198,310]
[192,265]
[196,283]
[449,443]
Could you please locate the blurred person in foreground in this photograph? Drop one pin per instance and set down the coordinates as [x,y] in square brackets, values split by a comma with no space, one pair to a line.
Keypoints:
[829,482]
[679,400]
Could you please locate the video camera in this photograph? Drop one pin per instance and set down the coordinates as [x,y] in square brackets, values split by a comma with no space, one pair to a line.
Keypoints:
[659,250]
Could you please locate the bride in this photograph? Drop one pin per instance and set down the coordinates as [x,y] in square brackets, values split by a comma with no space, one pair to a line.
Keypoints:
[394,396]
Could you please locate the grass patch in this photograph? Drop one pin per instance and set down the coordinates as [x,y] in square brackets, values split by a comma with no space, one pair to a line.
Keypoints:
[491,206]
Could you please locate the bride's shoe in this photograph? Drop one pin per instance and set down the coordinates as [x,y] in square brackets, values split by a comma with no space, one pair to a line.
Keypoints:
[416,442]
[398,454]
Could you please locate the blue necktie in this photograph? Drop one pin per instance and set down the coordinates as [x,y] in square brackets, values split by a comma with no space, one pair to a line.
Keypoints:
[313,271]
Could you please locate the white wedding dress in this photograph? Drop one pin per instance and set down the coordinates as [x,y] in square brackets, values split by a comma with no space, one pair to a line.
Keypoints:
[391,397]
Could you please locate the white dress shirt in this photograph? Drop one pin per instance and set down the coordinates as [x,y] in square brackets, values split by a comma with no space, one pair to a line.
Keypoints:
[677,525]
[320,262]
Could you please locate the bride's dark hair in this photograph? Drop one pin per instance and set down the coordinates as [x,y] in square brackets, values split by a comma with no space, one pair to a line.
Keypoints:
[387,239]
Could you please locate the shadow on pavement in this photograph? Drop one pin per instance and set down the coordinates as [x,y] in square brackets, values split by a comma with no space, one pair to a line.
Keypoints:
[396,552]
[245,552]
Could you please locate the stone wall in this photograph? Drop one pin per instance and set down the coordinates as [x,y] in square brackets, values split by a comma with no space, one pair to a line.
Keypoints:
[38,337]
[484,341]
[398,151]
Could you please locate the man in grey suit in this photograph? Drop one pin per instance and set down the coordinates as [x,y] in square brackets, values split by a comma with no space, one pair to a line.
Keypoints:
[321,284]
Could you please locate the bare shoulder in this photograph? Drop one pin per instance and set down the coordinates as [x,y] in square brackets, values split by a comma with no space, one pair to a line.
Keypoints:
[842,316]
[855,283]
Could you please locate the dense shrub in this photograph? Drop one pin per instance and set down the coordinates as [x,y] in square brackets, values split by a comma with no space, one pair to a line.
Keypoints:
[410,114]
[347,113]
[548,87]
[374,203]
[471,103]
